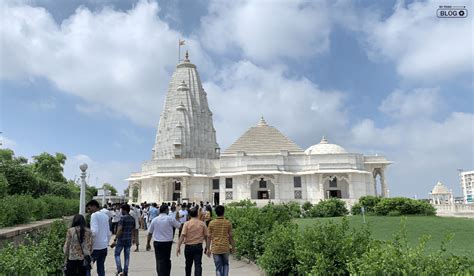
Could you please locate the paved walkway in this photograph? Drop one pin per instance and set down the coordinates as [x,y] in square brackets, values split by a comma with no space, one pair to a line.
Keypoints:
[143,262]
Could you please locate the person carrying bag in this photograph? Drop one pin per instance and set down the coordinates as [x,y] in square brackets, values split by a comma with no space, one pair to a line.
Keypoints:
[77,248]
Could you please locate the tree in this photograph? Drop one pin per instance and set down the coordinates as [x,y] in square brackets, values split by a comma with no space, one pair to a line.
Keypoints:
[9,155]
[50,167]
[111,188]
[20,178]
[3,185]
[6,154]
[91,191]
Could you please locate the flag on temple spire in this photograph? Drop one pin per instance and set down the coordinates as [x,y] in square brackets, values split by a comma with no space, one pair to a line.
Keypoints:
[181,42]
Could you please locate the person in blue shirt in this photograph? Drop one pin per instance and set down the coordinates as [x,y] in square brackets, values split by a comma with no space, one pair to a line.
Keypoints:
[153,212]
[123,239]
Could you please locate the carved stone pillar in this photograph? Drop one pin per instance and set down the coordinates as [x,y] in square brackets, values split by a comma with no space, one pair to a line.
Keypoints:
[276,193]
[374,179]
[131,186]
[384,184]
[184,187]
[321,186]
[350,187]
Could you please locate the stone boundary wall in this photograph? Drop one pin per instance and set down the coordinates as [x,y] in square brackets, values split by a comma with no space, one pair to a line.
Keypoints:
[455,210]
[17,233]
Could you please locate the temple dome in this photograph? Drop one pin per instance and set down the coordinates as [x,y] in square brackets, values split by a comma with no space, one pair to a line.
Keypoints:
[439,188]
[324,147]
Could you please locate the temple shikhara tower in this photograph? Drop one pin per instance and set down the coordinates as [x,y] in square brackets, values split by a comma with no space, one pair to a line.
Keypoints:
[262,165]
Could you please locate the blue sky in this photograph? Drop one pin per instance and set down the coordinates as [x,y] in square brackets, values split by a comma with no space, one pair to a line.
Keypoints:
[88,78]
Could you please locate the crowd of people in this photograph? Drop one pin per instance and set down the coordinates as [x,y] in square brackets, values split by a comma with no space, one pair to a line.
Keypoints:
[199,230]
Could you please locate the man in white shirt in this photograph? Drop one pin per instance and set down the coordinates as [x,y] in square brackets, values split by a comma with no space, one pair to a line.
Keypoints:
[161,229]
[116,215]
[100,233]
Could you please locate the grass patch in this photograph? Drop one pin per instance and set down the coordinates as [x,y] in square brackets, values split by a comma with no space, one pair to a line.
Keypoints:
[383,228]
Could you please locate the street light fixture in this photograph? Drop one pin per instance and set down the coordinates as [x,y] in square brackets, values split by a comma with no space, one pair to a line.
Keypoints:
[82,200]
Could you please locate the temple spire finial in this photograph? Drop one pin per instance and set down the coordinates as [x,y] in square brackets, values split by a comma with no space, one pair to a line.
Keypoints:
[186,56]
[262,122]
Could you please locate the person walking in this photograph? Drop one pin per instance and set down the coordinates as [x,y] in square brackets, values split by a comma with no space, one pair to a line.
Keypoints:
[145,217]
[77,247]
[135,213]
[123,240]
[152,212]
[208,215]
[115,219]
[221,241]
[100,233]
[193,235]
[172,213]
[161,229]
[183,217]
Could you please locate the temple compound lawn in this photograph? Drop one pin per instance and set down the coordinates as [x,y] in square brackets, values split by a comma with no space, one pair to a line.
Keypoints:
[384,228]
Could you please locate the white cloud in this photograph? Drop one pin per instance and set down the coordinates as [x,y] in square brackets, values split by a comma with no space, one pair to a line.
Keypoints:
[44,104]
[423,46]
[117,62]
[242,93]
[8,143]
[419,102]
[100,171]
[425,150]
[267,30]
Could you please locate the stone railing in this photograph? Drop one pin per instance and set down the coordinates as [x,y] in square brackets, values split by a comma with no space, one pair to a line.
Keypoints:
[17,233]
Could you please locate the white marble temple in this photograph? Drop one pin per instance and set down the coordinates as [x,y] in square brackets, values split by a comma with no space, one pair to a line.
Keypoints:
[262,165]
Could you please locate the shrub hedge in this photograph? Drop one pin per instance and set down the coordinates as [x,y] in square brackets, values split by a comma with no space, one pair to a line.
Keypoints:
[253,225]
[403,206]
[369,203]
[268,237]
[333,207]
[18,209]
[41,255]
[395,206]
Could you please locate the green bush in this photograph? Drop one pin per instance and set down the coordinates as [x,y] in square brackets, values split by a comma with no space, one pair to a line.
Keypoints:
[369,203]
[39,256]
[306,207]
[404,206]
[279,256]
[3,185]
[19,209]
[397,258]
[332,207]
[58,206]
[326,248]
[38,209]
[356,209]
[16,209]
[294,208]
[252,226]
[242,203]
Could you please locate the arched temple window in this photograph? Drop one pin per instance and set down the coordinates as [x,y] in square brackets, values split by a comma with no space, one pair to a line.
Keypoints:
[135,192]
[262,183]
[176,190]
[333,182]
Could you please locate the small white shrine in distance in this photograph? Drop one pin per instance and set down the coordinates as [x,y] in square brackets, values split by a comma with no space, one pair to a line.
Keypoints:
[262,165]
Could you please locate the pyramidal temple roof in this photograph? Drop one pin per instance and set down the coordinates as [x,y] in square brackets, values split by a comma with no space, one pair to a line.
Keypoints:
[186,128]
[263,139]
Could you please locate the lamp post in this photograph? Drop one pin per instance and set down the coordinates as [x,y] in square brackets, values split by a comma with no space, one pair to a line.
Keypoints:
[82,201]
